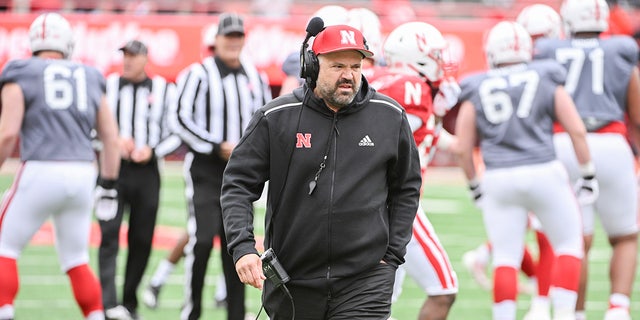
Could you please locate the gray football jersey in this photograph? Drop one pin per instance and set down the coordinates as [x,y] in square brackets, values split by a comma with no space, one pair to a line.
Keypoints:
[515,112]
[61,102]
[598,73]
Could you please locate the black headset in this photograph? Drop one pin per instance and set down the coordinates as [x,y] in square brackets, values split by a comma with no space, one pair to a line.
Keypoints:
[309,65]
[310,68]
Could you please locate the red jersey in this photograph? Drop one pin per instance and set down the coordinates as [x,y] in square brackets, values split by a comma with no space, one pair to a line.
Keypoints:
[414,94]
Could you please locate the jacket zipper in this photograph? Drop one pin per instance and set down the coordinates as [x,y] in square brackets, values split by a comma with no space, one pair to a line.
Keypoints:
[333,178]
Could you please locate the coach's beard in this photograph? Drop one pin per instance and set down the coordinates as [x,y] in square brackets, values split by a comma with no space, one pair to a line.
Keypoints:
[340,97]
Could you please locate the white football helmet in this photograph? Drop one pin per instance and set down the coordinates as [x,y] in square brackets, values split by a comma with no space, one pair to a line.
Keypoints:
[417,46]
[209,36]
[369,24]
[585,16]
[508,42]
[540,20]
[51,31]
[332,15]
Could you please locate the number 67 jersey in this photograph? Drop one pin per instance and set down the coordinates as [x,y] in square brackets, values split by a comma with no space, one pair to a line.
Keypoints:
[61,102]
[515,112]
[598,73]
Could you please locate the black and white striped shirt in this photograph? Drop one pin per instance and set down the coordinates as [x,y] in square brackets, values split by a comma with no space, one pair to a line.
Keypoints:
[141,110]
[215,103]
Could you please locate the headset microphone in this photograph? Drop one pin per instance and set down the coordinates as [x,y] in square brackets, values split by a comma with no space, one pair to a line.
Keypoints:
[308,61]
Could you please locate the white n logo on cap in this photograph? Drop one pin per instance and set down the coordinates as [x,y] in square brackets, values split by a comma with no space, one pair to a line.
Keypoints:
[347,37]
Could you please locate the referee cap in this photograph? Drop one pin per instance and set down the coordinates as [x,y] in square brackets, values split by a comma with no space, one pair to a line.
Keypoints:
[230,23]
[135,47]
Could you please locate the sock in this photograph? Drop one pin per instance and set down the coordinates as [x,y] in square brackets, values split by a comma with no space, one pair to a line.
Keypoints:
[483,254]
[505,310]
[86,289]
[619,300]
[528,266]
[221,289]
[9,284]
[563,299]
[7,312]
[540,301]
[505,284]
[96,315]
[546,261]
[581,315]
[162,273]
[566,272]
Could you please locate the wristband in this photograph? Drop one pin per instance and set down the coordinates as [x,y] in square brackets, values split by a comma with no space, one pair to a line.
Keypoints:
[474,183]
[588,170]
[107,183]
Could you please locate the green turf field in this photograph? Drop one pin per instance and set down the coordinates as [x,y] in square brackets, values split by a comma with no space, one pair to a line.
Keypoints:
[45,292]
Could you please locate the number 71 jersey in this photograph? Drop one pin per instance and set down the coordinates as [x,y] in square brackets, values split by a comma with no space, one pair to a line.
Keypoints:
[598,72]
[61,98]
[515,112]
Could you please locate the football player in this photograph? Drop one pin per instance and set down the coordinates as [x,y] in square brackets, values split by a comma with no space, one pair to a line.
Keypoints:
[53,104]
[540,21]
[415,77]
[509,110]
[602,78]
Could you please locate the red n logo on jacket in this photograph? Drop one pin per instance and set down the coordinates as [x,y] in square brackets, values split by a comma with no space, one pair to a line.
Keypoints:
[303,140]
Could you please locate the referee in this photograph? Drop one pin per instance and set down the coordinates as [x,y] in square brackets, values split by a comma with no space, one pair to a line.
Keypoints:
[139,104]
[216,99]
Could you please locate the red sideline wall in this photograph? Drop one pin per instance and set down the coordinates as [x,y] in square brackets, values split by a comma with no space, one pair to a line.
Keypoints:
[175,41]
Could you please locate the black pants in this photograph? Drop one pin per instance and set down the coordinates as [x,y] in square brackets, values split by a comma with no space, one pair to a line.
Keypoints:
[139,191]
[205,222]
[366,296]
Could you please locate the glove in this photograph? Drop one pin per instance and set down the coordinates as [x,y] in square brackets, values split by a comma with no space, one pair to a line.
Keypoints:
[447,97]
[106,200]
[587,190]
[476,192]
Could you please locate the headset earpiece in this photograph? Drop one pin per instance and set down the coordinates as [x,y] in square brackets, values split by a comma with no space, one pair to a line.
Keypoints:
[309,65]
[310,68]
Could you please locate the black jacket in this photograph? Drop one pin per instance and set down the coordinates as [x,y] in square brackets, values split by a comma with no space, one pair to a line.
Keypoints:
[365,199]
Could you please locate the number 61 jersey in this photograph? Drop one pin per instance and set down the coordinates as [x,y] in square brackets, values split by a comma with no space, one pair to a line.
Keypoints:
[515,112]
[61,102]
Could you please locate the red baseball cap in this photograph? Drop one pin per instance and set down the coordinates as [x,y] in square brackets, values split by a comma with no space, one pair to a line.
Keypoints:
[340,38]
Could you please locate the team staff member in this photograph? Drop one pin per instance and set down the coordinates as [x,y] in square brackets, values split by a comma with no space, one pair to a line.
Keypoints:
[216,99]
[343,190]
[604,83]
[510,110]
[139,106]
[53,104]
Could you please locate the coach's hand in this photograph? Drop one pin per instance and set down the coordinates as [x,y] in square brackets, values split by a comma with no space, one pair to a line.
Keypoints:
[249,269]
[106,199]
[587,190]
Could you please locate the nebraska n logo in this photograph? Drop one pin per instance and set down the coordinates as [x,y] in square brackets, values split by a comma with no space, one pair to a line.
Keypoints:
[347,37]
[303,140]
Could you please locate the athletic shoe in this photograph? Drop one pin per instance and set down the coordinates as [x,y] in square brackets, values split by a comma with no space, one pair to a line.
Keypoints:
[476,269]
[136,316]
[538,312]
[150,297]
[617,314]
[118,313]
[564,314]
[220,304]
